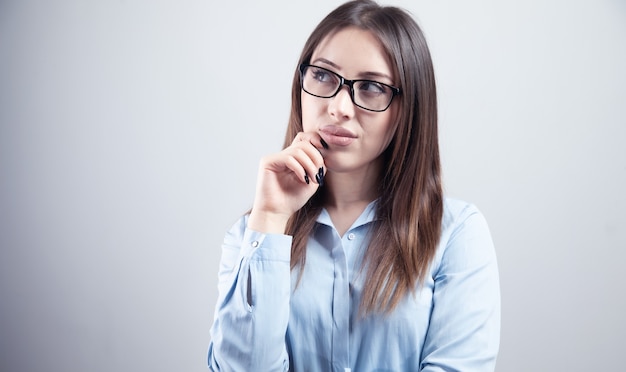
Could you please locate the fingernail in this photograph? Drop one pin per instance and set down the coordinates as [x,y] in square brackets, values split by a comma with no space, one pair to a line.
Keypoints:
[324,144]
[319,177]
[319,180]
[306,178]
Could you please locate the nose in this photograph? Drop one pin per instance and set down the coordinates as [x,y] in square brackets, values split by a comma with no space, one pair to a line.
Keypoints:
[341,106]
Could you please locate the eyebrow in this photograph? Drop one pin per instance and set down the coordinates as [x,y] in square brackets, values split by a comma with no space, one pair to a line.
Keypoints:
[365,74]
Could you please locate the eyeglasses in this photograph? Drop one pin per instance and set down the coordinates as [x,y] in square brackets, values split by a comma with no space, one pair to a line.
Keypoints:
[367,94]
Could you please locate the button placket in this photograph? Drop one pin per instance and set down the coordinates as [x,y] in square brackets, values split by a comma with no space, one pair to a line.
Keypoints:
[340,307]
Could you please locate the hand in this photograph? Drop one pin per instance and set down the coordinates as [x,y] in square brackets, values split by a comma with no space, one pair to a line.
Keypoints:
[286,181]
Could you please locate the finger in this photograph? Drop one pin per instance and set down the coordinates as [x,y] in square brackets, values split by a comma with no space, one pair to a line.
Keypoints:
[301,158]
[312,143]
[300,136]
[313,137]
[311,151]
[310,158]
[301,165]
[304,155]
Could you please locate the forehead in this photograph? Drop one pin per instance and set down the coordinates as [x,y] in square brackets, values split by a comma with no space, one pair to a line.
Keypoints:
[354,51]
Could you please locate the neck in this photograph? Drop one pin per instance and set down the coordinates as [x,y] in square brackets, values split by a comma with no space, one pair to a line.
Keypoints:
[346,196]
[345,190]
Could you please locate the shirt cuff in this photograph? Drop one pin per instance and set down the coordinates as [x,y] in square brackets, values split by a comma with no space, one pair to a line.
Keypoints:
[266,247]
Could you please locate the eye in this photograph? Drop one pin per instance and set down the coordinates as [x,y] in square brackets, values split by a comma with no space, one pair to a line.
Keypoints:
[371,87]
[323,76]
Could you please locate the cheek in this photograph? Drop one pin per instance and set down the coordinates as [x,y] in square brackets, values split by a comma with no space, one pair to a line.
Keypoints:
[387,137]
[312,110]
[388,129]
[393,119]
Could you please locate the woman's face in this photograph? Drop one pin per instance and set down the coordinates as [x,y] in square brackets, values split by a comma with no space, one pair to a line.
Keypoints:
[356,137]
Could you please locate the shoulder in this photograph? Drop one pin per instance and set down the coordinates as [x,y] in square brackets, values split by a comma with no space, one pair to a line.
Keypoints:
[455,208]
[465,235]
[456,213]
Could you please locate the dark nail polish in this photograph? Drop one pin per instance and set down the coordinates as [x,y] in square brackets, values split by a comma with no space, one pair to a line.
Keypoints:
[319,180]
[324,144]
[306,179]
[319,177]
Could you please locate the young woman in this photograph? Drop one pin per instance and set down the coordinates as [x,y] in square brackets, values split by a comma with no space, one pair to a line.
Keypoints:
[351,259]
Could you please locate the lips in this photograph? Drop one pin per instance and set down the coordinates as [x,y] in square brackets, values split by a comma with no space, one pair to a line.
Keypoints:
[336,135]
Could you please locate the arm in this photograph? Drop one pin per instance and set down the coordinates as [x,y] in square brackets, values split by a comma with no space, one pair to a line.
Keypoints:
[464,330]
[252,309]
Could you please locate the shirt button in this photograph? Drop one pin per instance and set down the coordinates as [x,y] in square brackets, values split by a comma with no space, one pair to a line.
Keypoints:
[255,244]
[351,236]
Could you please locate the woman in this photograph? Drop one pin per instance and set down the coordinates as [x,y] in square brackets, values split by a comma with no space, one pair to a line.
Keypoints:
[351,259]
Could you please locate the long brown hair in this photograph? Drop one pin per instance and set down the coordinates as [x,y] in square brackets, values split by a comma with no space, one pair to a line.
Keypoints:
[410,204]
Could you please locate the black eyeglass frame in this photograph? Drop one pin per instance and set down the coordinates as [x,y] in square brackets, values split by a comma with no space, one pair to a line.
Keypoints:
[350,83]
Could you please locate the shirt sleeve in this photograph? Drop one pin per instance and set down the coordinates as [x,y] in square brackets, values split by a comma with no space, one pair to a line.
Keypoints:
[464,329]
[252,309]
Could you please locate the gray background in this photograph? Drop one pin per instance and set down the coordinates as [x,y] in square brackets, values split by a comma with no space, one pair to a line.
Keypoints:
[130,132]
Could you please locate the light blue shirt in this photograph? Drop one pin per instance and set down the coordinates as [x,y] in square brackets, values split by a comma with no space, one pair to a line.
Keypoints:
[263,322]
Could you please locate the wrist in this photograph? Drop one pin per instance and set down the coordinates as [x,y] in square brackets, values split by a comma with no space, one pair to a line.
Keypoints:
[267,222]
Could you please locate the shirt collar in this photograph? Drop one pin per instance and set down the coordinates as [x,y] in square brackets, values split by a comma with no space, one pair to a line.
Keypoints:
[368,215]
